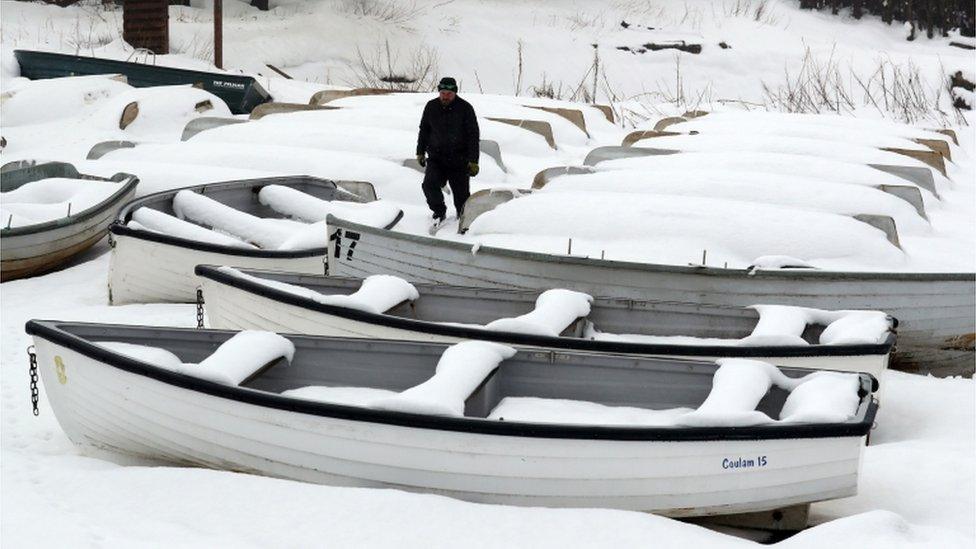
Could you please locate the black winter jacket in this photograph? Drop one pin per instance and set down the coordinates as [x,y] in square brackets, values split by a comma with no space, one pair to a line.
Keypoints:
[449,133]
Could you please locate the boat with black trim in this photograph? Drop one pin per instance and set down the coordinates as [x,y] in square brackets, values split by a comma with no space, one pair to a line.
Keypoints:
[254,299]
[106,400]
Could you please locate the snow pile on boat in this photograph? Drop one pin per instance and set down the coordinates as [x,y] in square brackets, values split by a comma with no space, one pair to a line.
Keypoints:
[781,326]
[243,229]
[554,311]
[310,209]
[835,129]
[234,361]
[377,293]
[676,229]
[156,221]
[265,233]
[822,397]
[784,325]
[52,199]
[71,114]
[40,101]
[738,386]
[460,370]
[578,412]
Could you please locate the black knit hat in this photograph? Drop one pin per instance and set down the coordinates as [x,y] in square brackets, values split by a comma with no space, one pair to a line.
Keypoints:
[447,83]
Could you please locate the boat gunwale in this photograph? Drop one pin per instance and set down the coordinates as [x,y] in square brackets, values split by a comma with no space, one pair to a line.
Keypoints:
[120,227]
[336,223]
[51,331]
[567,343]
[128,183]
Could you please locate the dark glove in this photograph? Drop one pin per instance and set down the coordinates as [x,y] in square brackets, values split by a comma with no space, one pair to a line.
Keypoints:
[473,169]
[422,160]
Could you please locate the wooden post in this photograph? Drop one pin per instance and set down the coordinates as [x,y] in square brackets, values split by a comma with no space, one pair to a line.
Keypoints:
[219,33]
[145,24]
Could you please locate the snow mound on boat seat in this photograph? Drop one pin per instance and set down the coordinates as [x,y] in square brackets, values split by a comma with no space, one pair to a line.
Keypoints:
[855,327]
[305,207]
[266,233]
[784,325]
[234,361]
[554,311]
[737,387]
[159,222]
[460,370]
[822,397]
[49,199]
[377,293]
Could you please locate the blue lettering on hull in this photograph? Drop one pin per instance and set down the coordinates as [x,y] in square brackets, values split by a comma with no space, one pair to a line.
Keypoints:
[744,462]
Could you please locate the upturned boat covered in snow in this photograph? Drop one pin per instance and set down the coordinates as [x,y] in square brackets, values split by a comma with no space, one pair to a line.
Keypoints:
[478,421]
[241,93]
[936,331]
[855,341]
[52,213]
[272,223]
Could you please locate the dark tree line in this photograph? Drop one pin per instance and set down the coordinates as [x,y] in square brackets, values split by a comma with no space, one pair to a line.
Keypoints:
[928,16]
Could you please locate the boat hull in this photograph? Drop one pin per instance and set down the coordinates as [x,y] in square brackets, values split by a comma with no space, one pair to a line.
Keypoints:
[936,326]
[102,407]
[149,267]
[37,249]
[147,271]
[241,93]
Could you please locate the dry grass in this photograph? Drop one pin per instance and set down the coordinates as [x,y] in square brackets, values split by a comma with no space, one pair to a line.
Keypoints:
[898,91]
[386,69]
[389,11]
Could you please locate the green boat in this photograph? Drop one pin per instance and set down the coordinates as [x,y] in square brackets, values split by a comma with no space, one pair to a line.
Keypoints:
[241,93]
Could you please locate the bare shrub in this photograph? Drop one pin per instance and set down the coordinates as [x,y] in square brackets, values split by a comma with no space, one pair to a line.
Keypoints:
[896,90]
[758,10]
[390,11]
[385,69]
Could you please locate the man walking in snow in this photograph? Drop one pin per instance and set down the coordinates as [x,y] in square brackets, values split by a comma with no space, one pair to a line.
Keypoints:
[447,146]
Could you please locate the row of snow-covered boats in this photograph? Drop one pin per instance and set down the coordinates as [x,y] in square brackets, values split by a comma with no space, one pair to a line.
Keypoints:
[484,374]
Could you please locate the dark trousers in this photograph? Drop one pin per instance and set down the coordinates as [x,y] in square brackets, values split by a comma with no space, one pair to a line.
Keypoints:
[454,173]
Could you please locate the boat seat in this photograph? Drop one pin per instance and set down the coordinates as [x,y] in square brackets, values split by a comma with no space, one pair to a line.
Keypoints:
[555,311]
[789,325]
[238,360]
[461,370]
[377,294]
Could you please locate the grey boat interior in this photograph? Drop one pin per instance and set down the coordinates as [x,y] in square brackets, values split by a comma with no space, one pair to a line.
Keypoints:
[242,195]
[440,303]
[612,380]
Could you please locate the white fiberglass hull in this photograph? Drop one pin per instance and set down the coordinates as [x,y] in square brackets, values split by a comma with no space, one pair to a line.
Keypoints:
[105,407]
[146,271]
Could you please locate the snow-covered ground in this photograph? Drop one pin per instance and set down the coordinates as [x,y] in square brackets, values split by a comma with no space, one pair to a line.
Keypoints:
[754,186]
